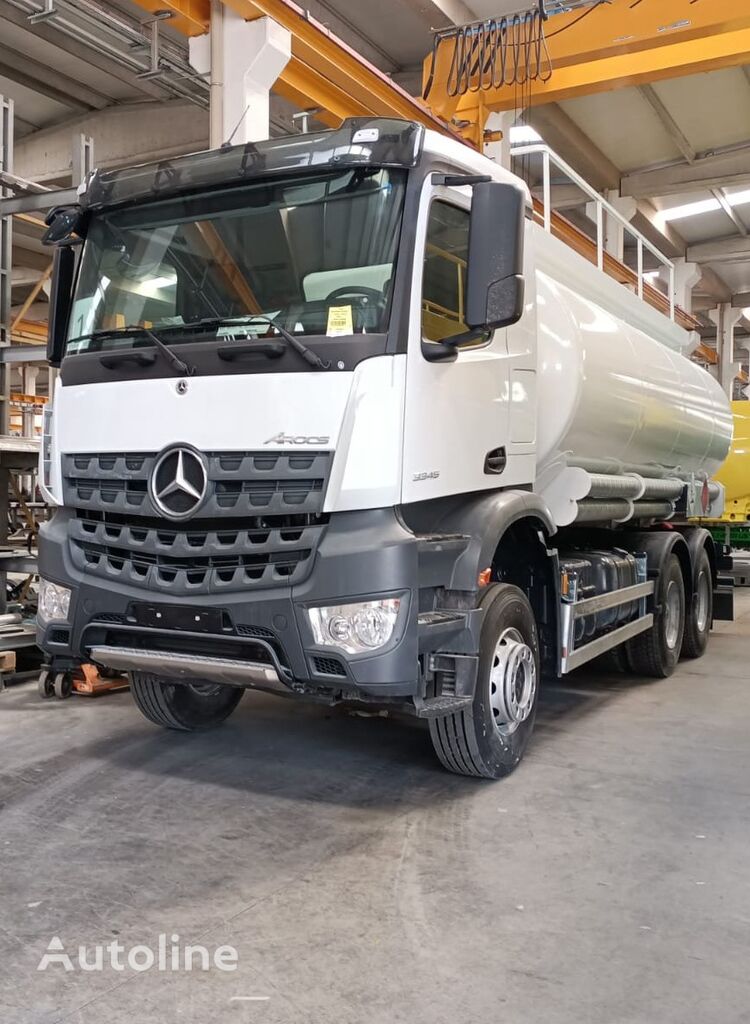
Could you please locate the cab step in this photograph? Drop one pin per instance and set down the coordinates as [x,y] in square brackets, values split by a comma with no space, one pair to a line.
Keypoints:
[438,707]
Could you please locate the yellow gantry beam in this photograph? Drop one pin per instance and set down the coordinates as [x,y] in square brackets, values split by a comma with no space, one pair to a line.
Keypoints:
[324,72]
[617,44]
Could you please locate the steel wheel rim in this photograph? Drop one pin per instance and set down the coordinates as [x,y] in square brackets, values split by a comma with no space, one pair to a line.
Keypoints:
[672,615]
[704,594]
[513,681]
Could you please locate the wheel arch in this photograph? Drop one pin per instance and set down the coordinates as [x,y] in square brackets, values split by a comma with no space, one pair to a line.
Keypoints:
[486,519]
[698,539]
[658,545]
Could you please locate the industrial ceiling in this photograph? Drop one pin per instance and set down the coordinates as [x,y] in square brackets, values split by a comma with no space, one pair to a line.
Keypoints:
[679,145]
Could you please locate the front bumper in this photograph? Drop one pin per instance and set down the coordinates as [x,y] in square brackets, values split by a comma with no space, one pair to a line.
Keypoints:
[362,555]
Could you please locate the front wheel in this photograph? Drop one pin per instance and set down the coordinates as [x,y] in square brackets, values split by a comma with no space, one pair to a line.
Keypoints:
[488,739]
[184,706]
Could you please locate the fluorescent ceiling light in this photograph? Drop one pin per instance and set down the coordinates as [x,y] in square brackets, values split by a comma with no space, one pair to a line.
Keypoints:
[689,210]
[739,198]
[523,134]
[702,206]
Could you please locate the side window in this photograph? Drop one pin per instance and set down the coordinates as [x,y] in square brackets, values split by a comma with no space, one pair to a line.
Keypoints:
[444,281]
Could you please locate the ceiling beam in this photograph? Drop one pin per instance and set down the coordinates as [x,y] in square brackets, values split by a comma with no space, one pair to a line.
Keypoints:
[324,69]
[720,250]
[88,54]
[721,198]
[48,82]
[669,124]
[705,173]
[561,133]
[741,300]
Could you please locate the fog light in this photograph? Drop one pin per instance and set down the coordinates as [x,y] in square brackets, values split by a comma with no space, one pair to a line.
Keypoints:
[355,628]
[54,602]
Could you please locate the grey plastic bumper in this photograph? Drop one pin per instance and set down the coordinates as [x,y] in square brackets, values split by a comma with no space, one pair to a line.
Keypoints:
[362,555]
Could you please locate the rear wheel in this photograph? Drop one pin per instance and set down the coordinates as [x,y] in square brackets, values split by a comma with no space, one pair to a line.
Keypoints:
[184,706]
[657,651]
[488,739]
[700,616]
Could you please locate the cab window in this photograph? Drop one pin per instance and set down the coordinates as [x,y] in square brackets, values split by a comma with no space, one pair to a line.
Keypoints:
[444,280]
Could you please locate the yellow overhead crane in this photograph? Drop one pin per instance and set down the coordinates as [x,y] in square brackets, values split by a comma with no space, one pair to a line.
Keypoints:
[608,45]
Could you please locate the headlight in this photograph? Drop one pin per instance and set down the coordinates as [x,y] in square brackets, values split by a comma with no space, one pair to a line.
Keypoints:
[355,628]
[54,602]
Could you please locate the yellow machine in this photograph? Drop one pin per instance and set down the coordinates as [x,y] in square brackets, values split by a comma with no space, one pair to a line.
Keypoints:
[735,475]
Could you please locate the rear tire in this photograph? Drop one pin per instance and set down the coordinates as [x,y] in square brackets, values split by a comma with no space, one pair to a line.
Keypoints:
[656,652]
[701,613]
[488,739]
[184,706]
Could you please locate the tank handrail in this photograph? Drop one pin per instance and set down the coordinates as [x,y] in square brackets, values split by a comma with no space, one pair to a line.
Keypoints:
[549,159]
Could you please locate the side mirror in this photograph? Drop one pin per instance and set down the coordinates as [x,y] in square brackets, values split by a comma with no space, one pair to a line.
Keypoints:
[59,303]
[495,284]
[64,226]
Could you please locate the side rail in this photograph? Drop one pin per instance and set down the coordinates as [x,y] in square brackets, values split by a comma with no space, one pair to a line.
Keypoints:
[551,160]
[572,611]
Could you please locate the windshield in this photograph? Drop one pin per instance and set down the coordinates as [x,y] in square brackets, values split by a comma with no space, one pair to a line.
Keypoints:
[316,256]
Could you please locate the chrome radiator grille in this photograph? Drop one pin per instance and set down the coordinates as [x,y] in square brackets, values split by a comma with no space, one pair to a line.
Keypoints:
[259,526]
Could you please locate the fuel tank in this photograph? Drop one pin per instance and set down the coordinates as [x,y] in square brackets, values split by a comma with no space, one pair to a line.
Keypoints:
[610,392]
[735,472]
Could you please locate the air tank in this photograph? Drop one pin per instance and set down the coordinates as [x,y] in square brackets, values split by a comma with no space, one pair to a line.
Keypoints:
[612,395]
[735,472]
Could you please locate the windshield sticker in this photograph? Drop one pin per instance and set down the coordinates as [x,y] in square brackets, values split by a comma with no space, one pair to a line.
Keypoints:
[339,321]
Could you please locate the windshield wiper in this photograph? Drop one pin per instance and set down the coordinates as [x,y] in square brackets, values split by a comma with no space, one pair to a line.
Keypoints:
[186,369]
[310,357]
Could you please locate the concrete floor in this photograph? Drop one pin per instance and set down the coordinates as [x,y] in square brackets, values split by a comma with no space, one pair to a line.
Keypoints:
[605,882]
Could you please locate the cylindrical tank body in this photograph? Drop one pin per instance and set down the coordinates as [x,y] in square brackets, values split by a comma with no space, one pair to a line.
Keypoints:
[735,472]
[609,391]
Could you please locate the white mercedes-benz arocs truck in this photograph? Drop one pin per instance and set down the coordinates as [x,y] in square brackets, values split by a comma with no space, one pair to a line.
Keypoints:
[337,419]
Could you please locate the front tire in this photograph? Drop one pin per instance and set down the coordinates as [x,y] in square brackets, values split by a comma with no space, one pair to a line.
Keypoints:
[187,707]
[488,739]
[700,615]
[657,651]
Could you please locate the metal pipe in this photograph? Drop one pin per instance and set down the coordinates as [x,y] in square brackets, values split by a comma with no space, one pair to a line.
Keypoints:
[612,468]
[653,510]
[671,489]
[605,486]
[602,511]
[621,510]
[189,666]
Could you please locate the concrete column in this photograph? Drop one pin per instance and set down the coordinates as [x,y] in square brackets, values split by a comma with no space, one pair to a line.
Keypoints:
[243,60]
[499,122]
[686,277]
[726,319]
[614,231]
[28,386]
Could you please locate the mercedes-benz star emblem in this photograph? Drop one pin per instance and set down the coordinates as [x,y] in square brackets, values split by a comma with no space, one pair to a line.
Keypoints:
[178,482]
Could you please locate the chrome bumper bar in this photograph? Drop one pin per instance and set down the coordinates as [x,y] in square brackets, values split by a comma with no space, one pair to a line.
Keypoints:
[189,666]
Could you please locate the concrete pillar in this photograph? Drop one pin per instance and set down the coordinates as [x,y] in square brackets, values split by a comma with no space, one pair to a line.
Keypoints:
[686,277]
[243,59]
[726,319]
[499,122]
[614,231]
